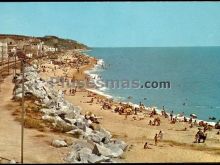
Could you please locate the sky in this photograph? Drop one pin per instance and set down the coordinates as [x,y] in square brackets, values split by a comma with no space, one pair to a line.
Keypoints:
[117,24]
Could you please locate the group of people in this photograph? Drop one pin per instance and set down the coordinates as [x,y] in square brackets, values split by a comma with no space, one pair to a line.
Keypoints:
[157,137]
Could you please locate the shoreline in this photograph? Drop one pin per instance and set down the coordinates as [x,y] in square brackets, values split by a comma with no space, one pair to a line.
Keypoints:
[159,111]
[136,132]
[133,131]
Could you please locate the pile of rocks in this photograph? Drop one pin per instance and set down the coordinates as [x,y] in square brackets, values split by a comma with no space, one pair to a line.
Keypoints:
[94,145]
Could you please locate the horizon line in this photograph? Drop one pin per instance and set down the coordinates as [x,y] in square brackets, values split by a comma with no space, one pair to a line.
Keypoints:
[152,46]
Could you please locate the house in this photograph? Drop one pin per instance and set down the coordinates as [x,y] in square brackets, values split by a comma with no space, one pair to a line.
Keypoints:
[47,48]
[3,50]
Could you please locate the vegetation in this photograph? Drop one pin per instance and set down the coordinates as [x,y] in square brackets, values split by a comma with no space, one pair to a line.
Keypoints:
[60,43]
[52,41]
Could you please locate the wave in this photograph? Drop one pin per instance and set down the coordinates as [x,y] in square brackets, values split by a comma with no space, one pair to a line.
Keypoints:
[96,78]
[100,93]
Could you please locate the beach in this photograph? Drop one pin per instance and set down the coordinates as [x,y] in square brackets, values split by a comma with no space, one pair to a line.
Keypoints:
[176,146]
[109,82]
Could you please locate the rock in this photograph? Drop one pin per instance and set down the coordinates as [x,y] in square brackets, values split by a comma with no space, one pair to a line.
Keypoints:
[12,162]
[88,131]
[79,144]
[72,121]
[50,112]
[61,125]
[77,133]
[98,159]
[49,118]
[59,143]
[95,126]
[82,153]
[120,143]
[97,138]
[80,124]
[116,150]
[101,150]
[72,157]
[18,96]
[107,136]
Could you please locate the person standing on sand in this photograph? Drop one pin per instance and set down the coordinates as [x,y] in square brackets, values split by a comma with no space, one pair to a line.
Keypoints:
[171,115]
[155,139]
[135,110]
[160,135]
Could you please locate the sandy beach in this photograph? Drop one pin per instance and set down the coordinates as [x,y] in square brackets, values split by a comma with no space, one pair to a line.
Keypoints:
[109,82]
[176,146]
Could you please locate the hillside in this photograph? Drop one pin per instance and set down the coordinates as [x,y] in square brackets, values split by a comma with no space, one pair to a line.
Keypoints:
[62,43]
[52,41]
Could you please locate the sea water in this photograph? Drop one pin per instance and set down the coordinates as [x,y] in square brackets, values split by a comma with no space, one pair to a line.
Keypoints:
[193,73]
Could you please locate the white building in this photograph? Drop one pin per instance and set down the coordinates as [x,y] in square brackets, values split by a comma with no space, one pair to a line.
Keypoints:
[3,49]
[49,49]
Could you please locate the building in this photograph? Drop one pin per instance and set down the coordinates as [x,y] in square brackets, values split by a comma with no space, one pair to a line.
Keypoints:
[3,50]
[49,49]
[11,46]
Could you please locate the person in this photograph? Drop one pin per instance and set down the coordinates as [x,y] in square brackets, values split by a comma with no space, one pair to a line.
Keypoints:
[146,146]
[205,128]
[185,119]
[150,122]
[199,133]
[171,115]
[190,120]
[155,139]
[218,133]
[160,135]
[195,122]
[154,111]
[135,110]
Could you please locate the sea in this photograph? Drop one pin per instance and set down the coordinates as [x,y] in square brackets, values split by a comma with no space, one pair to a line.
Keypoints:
[193,74]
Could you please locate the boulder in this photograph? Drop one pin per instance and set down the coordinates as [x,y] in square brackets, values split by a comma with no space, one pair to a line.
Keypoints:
[82,153]
[119,143]
[98,159]
[59,143]
[12,162]
[61,125]
[48,118]
[79,144]
[77,133]
[101,150]
[107,136]
[115,150]
[95,137]
[47,111]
